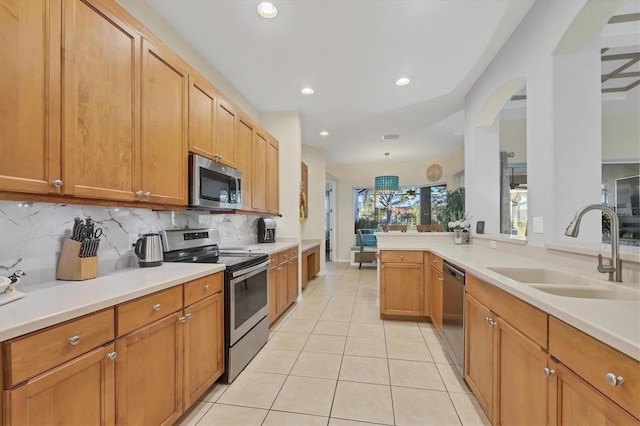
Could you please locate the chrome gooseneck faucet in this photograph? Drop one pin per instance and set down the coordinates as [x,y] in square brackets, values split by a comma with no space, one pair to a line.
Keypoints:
[615,263]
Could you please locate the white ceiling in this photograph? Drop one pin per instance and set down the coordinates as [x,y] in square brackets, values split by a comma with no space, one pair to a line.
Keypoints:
[351,52]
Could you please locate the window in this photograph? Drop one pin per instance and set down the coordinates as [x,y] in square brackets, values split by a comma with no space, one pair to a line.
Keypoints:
[410,206]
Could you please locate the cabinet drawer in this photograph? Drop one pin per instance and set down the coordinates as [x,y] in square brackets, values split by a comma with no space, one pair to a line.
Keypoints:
[436,261]
[593,360]
[40,351]
[531,321]
[293,252]
[202,287]
[397,256]
[135,314]
[283,256]
[273,260]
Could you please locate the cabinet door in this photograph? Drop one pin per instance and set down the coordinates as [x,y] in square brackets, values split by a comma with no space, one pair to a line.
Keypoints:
[226,118]
[572,401]
[202,116]
[436,299]
[292,280]
[80,392]
[30,86]
[259,172]
[521,385]
[273,177]
[283,275]
[427,283]
[165,89]
[401,289]
[149,374]
[244,145]
[478,343]
[273,294]
[101,100]
[203,346]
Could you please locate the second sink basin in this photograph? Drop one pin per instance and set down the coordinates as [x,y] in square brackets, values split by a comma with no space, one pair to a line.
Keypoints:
[593,292]
[539,275]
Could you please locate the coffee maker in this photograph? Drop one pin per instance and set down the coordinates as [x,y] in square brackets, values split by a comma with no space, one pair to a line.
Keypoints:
[266,230]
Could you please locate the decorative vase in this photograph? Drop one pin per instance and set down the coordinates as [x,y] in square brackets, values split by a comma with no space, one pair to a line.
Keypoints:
[457,237]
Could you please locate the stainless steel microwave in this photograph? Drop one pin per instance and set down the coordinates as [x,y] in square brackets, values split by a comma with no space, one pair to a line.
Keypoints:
[213,186]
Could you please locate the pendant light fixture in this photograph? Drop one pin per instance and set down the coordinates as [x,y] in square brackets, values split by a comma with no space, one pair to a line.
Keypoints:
[387,183]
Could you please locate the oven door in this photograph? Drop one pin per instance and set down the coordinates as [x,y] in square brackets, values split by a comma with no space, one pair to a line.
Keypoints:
[248,304]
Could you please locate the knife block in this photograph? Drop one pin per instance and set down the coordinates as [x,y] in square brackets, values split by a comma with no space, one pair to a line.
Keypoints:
[72,267]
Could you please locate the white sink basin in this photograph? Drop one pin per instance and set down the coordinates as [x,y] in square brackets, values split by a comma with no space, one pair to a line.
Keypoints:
[567,284]
[594,292]
[539,275]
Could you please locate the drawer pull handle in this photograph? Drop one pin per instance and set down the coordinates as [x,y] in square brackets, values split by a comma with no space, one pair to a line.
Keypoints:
[548,372]
[74,340]
[614,380]
[112,355]
[206,287]
[156,307]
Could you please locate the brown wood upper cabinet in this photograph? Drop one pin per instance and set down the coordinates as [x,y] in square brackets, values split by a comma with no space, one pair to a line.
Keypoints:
[101,99]
[244,148]
[30,87]
[163,164]
[273,173]
[213,122]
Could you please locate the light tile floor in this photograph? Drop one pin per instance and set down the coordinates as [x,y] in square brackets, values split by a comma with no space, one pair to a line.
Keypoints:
[331,360]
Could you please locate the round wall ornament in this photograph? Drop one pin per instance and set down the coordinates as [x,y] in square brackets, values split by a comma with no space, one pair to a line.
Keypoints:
[434,172]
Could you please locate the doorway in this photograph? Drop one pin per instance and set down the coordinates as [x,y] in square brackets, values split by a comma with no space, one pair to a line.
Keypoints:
[329,225]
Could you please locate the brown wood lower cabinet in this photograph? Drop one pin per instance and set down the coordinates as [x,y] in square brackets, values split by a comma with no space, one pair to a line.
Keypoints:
[402,289]
[203,346]
[79,392]
[149,374]
[283,281]
[517,381]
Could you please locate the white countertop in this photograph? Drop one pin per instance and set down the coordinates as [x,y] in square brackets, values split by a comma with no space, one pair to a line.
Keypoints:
[60,301]
[614,322]
[309,244]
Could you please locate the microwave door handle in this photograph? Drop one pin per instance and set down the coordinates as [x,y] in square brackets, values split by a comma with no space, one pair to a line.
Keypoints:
[238,200]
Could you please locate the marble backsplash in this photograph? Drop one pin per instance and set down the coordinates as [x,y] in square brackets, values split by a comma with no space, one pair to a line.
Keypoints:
[31,234]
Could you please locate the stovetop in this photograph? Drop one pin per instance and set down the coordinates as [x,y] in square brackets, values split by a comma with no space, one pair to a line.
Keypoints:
[201,246]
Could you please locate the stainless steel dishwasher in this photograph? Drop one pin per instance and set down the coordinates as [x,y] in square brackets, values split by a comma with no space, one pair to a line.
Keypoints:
[453,314]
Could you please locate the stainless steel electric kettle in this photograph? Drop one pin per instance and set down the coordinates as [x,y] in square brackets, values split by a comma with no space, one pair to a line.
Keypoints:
[148,248]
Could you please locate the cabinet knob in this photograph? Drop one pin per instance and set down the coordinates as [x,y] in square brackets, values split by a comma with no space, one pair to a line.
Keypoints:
[548,372]
[206,287]
[156,307]
[401,257]
[189,316]
[74,340]
[614,380]
[182,319]
[139,193]
[57,183]
[441,278]
[147,194]
[112,355]
[492,323]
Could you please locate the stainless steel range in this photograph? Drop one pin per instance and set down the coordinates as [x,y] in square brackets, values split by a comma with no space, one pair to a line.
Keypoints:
[245,291]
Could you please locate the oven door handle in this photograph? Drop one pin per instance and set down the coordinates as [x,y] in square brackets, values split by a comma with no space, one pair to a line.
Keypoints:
[250,269]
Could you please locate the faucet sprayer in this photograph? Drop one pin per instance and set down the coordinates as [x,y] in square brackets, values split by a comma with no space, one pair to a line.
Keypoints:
[615,263]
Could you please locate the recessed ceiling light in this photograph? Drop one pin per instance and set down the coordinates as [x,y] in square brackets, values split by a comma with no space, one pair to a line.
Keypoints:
[324,133]
[267,10]
[307,91]
[402,81]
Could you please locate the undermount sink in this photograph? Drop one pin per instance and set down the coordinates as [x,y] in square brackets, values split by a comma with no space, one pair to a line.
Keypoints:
[567,284]
[593,292]
[539,276]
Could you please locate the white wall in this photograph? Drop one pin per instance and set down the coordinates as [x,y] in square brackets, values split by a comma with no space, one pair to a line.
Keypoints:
[313,227]
[285,126]
[563,121]
[513,138]
[621,136]
[351,176]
